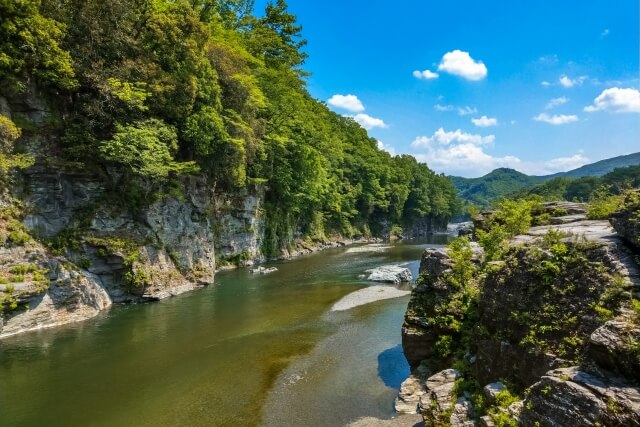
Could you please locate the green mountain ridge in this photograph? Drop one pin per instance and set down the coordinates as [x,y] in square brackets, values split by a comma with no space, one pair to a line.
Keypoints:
[503,181]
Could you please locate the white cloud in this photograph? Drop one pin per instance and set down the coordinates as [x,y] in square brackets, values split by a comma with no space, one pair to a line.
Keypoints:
[442,137]
[444,107]
[616,100]
[426,74]
[556,119]
[545,83]
[465,111]
[346,102]
[485,122]
[466,159]
[368,122]
[561,164]
[461,64]
[568,82]
[556,102]
[385,147]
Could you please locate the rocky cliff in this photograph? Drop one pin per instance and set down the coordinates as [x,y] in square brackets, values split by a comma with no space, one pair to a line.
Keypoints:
[547,335]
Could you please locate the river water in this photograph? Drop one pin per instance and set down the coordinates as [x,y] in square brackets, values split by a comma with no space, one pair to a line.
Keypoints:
[249,350]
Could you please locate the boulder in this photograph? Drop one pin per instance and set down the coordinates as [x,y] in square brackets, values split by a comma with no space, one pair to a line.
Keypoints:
[613,347]
[390,274]
[492,390]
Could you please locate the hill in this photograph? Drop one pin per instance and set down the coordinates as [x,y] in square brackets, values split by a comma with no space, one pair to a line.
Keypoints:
[500,182]
[482,191]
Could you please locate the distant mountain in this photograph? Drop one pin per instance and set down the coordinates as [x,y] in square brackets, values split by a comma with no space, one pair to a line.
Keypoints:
[500,182]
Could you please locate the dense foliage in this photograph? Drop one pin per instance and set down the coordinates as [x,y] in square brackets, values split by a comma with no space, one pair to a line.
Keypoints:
[147,90]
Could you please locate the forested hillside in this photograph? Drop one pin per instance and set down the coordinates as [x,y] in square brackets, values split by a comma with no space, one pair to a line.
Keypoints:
[146,92]
[574,184]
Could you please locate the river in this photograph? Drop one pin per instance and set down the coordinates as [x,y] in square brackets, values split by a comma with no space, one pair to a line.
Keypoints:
[248,350]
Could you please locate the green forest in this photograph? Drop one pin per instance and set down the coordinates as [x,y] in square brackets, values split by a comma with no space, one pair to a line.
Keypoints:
[146,92]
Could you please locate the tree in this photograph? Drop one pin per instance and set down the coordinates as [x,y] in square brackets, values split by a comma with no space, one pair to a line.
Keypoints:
[146,149]
[30,46]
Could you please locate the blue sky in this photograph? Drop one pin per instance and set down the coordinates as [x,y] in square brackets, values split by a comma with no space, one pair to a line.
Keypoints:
[540,86]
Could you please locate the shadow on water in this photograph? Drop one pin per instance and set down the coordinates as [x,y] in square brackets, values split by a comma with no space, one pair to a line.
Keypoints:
[393,367]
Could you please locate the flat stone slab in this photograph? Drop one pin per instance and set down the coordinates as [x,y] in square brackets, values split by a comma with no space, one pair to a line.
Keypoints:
[593,230]
[367,296]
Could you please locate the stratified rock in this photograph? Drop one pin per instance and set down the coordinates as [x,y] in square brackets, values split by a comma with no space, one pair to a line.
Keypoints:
[462,414]
[390,274]
[571,397]
[438,398]
[411,391]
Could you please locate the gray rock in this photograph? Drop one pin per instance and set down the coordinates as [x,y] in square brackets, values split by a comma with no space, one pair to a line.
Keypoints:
[462,414]
[411,391]
[438,398]
[390,274]
[571,397]
[492,390]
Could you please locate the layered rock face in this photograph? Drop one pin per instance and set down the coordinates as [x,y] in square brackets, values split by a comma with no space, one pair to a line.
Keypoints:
[552,318]
[124,255]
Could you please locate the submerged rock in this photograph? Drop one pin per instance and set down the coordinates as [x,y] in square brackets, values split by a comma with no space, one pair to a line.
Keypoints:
[264,270]
[390,274]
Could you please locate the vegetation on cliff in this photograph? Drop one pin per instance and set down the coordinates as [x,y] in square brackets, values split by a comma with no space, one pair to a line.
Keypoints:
[511,310]
[143,92]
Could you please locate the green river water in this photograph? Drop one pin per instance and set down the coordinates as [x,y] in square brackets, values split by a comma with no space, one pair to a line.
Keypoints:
[249,350]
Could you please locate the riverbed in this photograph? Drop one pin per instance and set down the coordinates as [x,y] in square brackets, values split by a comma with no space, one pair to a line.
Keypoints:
[249,350]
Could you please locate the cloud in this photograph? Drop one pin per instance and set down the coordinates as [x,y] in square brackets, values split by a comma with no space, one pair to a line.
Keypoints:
[556,102]
[462,111]
[561,164]
[485,122]
[568,82]
[556,119]
[459,153]
[444,107]
[616,100]
[605,33]
[442,137]
[545,83]
[368,122]
[346,102]
[465,111]
[385,147]
[426,74]
[461,64]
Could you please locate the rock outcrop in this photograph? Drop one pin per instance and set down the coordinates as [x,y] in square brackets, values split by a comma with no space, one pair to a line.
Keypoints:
[572,397]
[45,291]
[627,220]
[552,317]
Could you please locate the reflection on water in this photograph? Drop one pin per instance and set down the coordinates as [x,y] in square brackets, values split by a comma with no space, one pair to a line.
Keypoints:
[229,354]
[393,368]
